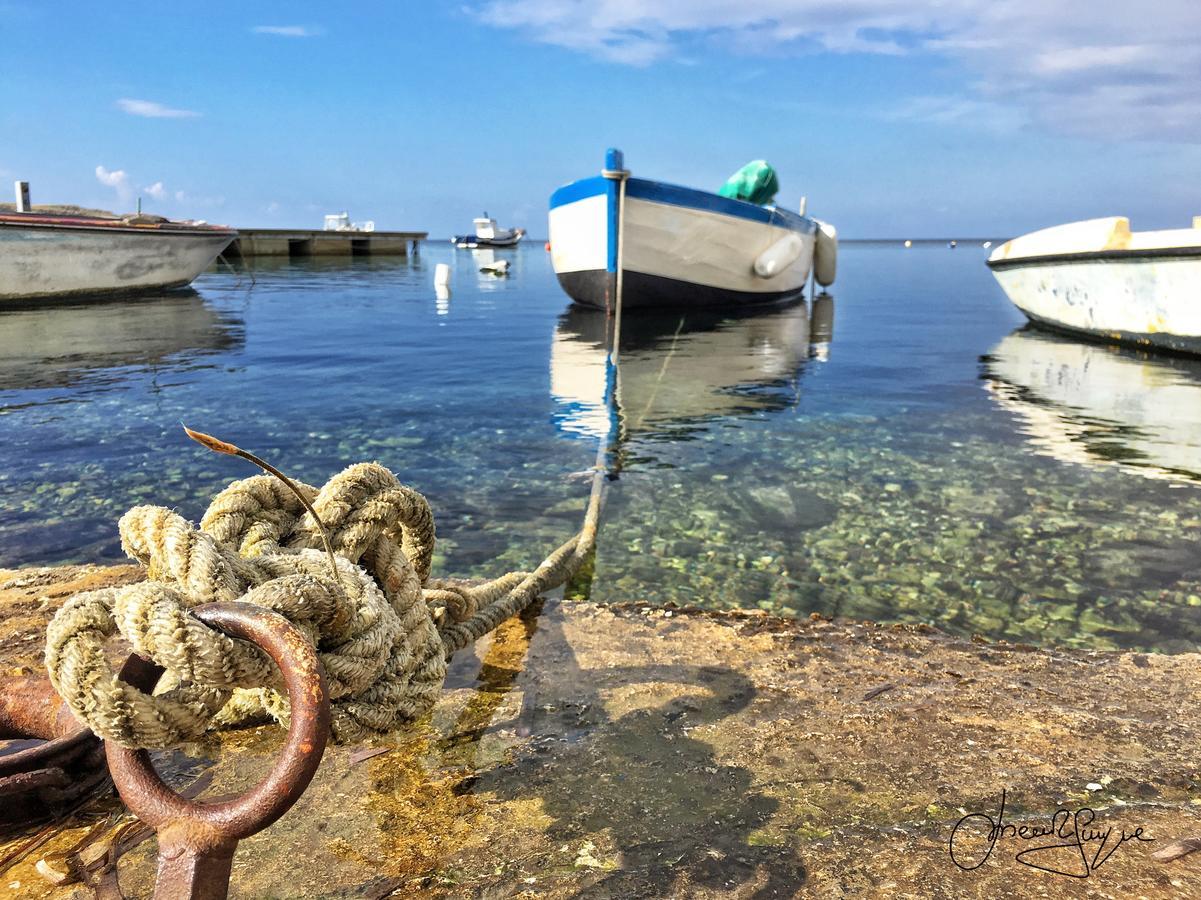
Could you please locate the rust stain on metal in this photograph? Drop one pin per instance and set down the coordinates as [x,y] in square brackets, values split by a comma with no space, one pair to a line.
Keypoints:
[64,763]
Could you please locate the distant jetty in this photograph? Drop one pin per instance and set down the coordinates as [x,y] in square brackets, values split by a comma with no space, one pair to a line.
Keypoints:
[316,242]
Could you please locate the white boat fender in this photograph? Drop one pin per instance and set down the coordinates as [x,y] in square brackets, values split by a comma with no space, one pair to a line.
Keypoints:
[825,254]
[779,256]
[441,275]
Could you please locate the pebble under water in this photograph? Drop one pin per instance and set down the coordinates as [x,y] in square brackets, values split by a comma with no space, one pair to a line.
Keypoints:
[904,450]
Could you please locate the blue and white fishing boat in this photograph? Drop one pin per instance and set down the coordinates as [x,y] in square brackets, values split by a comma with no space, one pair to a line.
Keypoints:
[676,246]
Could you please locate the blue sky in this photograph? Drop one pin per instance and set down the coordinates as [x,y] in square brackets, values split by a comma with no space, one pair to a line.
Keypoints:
[895,119]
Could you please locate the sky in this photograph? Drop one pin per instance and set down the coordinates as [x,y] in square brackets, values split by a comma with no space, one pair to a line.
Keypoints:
[894,119]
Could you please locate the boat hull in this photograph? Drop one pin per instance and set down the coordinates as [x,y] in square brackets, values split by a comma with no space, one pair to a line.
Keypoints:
[679,247]
[46,261]
[656,291]
[470,242]
[1148,296]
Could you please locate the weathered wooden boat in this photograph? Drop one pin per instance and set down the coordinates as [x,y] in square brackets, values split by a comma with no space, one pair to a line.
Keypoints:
[488,235]
[676,246]
[1085,403]
[44,256]
[1099,278]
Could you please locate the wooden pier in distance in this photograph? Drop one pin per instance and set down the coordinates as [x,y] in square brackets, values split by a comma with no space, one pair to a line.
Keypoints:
[314,242]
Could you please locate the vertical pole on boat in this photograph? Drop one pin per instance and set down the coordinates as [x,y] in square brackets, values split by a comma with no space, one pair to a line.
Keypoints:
[22,196]
[617,175]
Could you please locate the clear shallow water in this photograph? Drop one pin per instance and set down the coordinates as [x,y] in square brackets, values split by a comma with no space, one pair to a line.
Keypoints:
[901,452]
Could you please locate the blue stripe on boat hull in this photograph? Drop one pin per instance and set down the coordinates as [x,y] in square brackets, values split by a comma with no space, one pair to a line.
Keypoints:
[654,291]
[673,195]
[579,190]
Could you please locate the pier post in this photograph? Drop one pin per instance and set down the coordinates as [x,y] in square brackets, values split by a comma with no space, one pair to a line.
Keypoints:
[22,188]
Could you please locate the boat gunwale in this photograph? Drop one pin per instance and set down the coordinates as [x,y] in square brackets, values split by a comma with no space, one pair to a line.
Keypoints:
[687,198]
[1104,255]
[107,226]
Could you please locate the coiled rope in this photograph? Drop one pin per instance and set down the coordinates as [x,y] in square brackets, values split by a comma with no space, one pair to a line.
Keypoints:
[383,628]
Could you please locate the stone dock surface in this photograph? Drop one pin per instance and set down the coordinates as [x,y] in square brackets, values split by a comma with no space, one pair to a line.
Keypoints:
[628,751]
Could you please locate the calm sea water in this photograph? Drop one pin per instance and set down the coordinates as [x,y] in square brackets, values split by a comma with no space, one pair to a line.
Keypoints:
[900,451]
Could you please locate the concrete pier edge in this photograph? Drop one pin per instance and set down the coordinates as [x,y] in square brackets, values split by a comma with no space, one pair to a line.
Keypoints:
[637,751]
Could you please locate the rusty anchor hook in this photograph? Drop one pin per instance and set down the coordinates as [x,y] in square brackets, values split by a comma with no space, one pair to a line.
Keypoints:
[197,840]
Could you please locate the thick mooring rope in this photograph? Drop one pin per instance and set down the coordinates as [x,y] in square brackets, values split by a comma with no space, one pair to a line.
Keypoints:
[383,629]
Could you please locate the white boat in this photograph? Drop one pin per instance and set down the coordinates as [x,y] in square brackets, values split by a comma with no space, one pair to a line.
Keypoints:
[677,246]
[488,235]
[1094,405]
[1099,278]
[341,222]
[45,256]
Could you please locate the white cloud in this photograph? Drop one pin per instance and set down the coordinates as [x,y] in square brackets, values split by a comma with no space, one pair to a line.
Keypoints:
[117,180]
[156,191]
[151,110]
[970,112]
[295,31]
[114,179]
[1100,68]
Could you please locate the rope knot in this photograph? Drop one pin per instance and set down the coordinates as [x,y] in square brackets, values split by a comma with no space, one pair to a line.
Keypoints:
[382,630]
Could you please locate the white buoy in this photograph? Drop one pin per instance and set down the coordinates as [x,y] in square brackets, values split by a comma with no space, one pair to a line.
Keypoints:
[986,244]
[909,243]
[825,254]
[779,256]
[441,275]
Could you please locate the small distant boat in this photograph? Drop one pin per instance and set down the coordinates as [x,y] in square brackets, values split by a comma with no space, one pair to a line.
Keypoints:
[45,256]
[677,246]
[1099,278]
[341,222]
[488,235]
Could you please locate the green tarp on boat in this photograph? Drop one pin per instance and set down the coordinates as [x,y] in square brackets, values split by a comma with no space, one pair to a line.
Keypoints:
[755,182]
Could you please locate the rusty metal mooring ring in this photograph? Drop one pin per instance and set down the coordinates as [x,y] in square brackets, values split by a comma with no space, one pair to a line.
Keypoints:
[197,840]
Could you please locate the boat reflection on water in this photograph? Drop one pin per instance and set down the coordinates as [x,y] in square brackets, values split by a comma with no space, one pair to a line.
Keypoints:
[64,344]
[1101,405]
[678,371]
[821,327]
